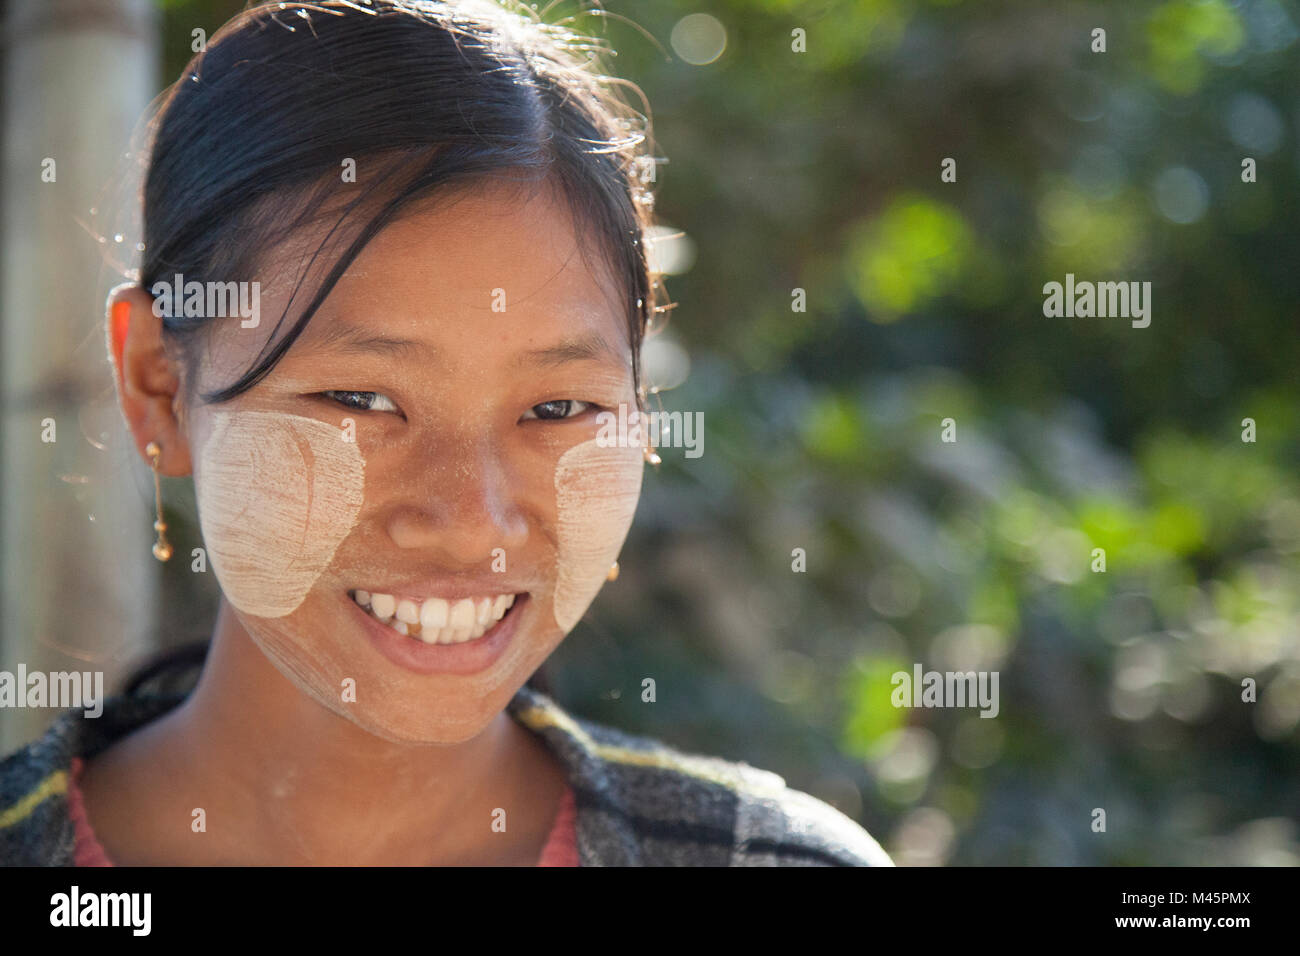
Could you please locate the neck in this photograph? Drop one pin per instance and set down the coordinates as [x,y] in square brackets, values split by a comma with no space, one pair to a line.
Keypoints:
[309,785]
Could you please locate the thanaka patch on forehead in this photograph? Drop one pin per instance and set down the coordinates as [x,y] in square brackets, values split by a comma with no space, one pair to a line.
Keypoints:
[277,494]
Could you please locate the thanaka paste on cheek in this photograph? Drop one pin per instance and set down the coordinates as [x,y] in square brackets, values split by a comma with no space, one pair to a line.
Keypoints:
[596,493]
[277,494]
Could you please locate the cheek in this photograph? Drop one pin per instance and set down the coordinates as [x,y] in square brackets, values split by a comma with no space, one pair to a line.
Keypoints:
[596,492]
[277,494]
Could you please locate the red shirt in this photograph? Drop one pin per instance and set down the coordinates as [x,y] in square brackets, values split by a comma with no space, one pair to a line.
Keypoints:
[561,846]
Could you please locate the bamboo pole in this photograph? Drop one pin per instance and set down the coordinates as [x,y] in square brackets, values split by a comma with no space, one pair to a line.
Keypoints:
[79,583]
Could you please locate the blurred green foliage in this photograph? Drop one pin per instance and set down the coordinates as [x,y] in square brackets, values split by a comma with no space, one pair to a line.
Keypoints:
[821,171]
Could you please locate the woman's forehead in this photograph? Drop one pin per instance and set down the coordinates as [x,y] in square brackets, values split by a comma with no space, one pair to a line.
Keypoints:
[496,268]
[477,257]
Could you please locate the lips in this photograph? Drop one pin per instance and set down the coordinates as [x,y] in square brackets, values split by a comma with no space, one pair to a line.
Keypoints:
[464,657]
[436,620]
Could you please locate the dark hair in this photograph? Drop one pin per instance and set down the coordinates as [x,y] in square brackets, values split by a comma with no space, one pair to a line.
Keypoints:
[426,98]
[250,141]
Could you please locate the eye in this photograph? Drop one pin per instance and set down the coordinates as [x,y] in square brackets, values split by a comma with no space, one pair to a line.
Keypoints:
[557,410]
[363,401]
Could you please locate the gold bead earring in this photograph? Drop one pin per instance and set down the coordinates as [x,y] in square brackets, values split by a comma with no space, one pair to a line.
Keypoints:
[162,549]
[613,572]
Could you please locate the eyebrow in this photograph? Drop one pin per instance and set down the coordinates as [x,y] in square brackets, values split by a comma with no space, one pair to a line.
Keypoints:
[342,337]
[350,339]
[588,348]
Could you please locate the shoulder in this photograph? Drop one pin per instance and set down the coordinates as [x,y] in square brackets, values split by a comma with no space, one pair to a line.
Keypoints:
[35,826]
[660,805]
[33,798]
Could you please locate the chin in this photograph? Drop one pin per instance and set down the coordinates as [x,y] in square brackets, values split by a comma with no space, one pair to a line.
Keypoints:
[408,723]
[395,704]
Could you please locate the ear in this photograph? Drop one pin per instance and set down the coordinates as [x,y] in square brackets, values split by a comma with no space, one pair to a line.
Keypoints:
[148,381]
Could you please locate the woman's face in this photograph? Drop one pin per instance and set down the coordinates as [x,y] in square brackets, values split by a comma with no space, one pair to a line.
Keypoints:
[464,486]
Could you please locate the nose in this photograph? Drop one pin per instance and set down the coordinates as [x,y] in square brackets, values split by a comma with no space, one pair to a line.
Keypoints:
[461,506]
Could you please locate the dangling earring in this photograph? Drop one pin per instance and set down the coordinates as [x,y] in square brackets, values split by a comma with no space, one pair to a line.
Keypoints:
[648,452]
[613,572]
[162,550]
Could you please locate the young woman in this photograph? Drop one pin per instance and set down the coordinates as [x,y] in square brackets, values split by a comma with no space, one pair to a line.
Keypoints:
[436,215]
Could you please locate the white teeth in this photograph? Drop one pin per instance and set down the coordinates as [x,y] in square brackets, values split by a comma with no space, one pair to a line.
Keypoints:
[433,613]
[462,614]
[383,605]
[436,620]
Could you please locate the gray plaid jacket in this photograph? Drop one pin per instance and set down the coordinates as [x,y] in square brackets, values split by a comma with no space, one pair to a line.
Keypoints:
[639,802]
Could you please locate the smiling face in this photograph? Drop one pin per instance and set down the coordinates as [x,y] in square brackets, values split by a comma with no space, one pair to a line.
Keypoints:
[426,453]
